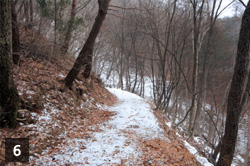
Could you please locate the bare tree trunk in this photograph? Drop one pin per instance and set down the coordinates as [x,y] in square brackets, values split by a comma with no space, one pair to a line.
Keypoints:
[9,99]
[111,66]
[203,83]
[31,12]
[84,59]
[40,25]
[26,12]
[67,38]
[127,74]
[55,26]
[136,74]
[211,133]
[15,35]
[247,154]
[216,152]
[20,7]
[238,87]
[121,73]
[196,35]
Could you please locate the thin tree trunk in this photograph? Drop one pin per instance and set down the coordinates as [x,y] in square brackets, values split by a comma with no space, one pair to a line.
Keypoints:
[127,74]
[31,12]
[238,87]
[15,2]
[202,96]
[20,7]
[26,13]
[9,99]
[67,38]
[196,48]
[121,73]
[195,72]
[111,66]
[203,83]
[216,152]
[211,133]
[40,25]
[15,35]
[55,26]
[136,74]
[84,59]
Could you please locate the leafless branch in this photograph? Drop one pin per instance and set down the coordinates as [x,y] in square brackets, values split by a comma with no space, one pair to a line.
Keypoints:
[242,3]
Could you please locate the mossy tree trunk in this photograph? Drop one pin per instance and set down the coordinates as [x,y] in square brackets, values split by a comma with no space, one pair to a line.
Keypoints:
[84,60]
[9,99]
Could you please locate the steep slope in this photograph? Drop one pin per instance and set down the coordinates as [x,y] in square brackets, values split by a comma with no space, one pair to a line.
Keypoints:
[87,124]
[51,112]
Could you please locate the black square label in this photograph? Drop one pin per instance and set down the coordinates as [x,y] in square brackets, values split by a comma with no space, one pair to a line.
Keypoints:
[16,149]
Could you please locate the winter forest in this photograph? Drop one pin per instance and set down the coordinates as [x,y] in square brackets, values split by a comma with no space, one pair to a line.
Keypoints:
[125,82]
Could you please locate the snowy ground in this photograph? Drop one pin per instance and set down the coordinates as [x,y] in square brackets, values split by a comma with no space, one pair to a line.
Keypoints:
[118,140]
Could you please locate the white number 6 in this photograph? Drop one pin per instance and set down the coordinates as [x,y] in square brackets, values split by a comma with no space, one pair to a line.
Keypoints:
[17,152]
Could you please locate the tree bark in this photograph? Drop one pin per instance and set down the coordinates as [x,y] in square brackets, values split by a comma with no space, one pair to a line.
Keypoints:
[31,12]
[247,154]
[205,68]
[84,59]
[67,38]
[216,152]
[238,87]
[120,84]
[26,13]
[9,99]
[55,27]
[15,35]
[196,48]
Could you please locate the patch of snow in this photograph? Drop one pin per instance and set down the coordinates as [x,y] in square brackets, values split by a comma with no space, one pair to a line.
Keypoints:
[200,141]
[238,160]
[169,124]
[30,92]
[45,116]
[183,106]
[148,94]
[178,135]
[33,114]
[176,121]
[101,107]
[61,75]
[202,160]
[208,106]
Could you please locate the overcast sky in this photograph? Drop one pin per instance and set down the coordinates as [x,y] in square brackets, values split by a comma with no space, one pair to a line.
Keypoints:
[231,11]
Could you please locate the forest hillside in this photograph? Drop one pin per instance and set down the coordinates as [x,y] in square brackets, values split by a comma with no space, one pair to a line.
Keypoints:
[87,124]
[125,82]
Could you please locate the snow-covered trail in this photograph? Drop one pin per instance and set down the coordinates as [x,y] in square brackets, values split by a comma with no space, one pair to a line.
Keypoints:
[118,141]
[134,114]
